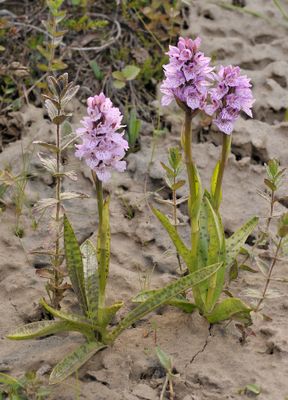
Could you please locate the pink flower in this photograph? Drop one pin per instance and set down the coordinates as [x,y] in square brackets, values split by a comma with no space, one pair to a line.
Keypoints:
[231,95]
[188,74]
[102,146]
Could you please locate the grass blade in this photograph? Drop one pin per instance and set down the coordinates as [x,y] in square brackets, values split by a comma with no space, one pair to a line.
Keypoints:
[9,380]
[281,9]
[73,361]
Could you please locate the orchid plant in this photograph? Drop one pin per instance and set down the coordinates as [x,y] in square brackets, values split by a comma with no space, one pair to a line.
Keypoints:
[102,147]
[197,87]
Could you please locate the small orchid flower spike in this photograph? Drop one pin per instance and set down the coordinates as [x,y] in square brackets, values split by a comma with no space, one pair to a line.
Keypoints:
[102,147]
[188,74]
[231,95]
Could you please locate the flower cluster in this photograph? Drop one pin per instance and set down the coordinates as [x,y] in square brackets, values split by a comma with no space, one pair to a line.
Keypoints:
[102,146]
[231,95]
[190,79]
[187,74]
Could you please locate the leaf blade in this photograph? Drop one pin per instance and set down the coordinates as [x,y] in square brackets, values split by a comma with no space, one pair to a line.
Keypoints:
[181,248]
[91,280]
[164,295]
[103,249]
[237,240]
[38,329]
[230,308]
[73,361]
[74,263]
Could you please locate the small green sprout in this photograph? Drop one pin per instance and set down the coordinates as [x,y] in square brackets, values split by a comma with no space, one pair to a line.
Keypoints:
[167,364]
[99,75]
[127,74]
[48,51]
[251,389]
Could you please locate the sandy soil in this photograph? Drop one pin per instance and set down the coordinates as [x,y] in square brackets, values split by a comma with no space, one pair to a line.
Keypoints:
[211,362]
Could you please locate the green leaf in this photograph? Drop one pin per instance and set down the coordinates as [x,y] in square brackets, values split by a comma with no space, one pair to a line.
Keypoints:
[69,92]
[164,359]
[51,109]
[110,311]
[252,388]
[178,301]
[48,162]
[245,267]
[37,329]
[216,234]
[167,169]
[74,263]
[58,65]
[216,253]
[195,205]
[214,180]
[178,185]
[270,185]
[76,319]
[203,237]
[183,251]
[97,71]
[164,295]
[59,119]
[233,271]
[43,67]
[6,379]
[231,308]
[48,146]
[130,72]
[183,304]
[66,129]
[103,248]
[134,127]
[53,85]
[237,240]
[44,53]
[119,84]
[91,280]
[262,265]
[118,75]
[73,361]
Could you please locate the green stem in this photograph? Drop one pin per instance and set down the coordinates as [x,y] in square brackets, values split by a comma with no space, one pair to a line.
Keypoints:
[101,237]
[269,275]
[57,274]
[192,180]
[175,218]
[226,145]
